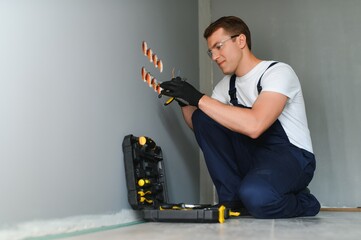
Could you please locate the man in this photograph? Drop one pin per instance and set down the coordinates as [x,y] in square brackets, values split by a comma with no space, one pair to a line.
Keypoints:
[253,130]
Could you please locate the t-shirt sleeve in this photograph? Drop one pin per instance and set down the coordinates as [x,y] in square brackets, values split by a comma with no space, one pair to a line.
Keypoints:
[220,92]
[281,79]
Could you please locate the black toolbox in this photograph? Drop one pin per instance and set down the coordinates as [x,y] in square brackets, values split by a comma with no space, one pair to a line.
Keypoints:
[147,189]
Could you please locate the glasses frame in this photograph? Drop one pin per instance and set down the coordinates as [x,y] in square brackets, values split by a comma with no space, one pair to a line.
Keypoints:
[219,45]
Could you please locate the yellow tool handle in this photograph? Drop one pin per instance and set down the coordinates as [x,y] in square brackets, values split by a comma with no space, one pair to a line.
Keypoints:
[142,140]
[169,101]
[142,194]
[147,142]
[221,212]
[143,182]
[234,214]
[143,199]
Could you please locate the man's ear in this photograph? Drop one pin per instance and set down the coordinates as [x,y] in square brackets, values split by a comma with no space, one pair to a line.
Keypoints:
[242,40]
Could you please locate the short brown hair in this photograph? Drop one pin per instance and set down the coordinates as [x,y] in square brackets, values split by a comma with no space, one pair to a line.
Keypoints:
[232,25]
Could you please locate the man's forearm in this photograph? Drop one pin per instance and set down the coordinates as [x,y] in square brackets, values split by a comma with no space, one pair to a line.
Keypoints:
[187,115]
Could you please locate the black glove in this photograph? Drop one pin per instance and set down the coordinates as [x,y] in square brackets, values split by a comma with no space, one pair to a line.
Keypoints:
[182,91]
[181,102]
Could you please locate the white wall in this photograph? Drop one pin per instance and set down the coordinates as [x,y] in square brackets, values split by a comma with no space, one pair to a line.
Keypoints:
[70,90]
[320,40]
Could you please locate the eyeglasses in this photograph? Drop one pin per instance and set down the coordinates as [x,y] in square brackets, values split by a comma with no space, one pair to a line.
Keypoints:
[218,46]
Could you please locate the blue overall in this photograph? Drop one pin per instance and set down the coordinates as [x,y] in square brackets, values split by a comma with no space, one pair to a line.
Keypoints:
[268,175]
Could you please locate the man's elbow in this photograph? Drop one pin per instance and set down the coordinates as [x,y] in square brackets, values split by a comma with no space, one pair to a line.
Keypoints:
[255,131]
[254,135]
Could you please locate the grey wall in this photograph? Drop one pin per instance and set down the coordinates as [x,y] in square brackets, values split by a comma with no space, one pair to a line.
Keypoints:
[70,90]
[320,40]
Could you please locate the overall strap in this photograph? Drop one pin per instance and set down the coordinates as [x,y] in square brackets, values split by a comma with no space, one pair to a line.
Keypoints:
[259,87]
[233,91]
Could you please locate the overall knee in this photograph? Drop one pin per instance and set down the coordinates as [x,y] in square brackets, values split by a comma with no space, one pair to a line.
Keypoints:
[200,120]
[258,199]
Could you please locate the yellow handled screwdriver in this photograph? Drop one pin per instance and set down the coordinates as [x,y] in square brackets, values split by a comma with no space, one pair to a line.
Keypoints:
[171,99]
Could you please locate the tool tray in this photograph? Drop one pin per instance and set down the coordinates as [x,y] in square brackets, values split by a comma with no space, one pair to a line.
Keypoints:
[147,189]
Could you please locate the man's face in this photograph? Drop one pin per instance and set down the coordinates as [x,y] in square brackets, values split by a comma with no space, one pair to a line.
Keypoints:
[224,50]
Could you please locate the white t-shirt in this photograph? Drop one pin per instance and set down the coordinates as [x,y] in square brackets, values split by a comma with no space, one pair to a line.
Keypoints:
[279,78]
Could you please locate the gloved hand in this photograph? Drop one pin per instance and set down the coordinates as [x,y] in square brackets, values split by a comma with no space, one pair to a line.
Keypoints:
[181,102]
[182,91]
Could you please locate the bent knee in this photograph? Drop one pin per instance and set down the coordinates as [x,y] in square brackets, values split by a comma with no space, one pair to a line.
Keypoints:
[201,121]
[198,116]
[259,202]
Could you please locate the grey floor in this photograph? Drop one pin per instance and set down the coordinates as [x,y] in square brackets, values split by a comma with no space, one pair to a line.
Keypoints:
[326,225]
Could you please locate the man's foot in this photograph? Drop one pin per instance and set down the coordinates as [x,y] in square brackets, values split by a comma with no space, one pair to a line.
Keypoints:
[311,204]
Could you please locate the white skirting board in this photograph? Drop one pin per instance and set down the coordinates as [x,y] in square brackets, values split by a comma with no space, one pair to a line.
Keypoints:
[64,226]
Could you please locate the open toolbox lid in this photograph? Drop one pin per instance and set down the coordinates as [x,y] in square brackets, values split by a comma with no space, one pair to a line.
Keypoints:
[147,190]
[145,174]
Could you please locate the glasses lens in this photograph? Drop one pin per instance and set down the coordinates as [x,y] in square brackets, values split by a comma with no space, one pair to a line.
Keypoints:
[219,45]
[209,52]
